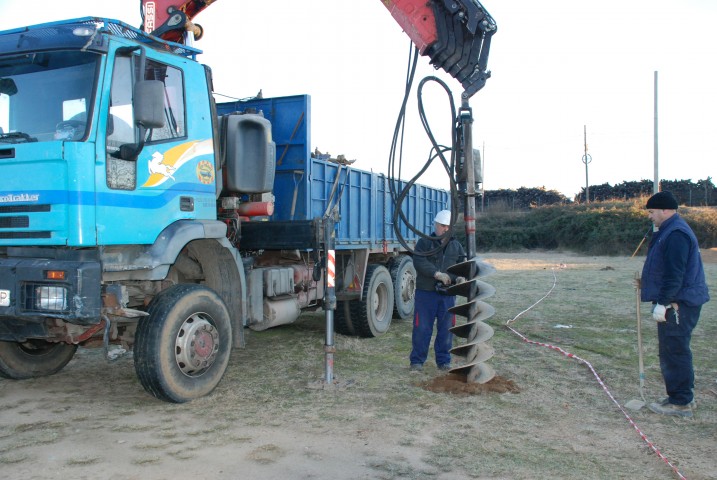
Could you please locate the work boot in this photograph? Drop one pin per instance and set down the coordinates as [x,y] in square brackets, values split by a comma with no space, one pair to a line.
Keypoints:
[445,367]
[671,409]
[416,368]
[665,400]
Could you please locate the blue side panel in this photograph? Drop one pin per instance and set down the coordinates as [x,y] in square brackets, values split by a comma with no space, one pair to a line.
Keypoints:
[304,184]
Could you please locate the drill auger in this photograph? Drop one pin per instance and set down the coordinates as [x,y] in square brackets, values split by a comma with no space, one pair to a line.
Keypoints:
[476,332]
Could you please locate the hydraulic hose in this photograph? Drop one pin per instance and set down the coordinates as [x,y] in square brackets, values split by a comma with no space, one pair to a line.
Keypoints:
[437,151]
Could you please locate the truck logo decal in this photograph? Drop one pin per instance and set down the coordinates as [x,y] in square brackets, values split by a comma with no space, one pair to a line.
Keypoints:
[22,197]
[205,172]
[164,166]
[156,166]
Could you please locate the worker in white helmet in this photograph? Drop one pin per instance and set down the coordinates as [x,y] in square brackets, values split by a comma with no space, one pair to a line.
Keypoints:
[432,301]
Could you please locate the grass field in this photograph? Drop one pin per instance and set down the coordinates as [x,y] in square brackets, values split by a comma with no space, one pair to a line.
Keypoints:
[265,421]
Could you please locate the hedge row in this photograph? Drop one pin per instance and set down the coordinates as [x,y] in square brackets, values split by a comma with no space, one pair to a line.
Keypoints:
[687,192]
[599,228]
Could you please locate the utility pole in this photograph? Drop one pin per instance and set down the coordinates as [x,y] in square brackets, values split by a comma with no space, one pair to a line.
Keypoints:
[656,181]
[586,159]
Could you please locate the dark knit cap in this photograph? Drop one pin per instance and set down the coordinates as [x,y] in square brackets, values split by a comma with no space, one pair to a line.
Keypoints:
[662,201]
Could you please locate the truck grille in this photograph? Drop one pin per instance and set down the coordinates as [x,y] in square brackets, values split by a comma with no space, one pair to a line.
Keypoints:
[12,235]
[15,222]
[22,221]
[44,207]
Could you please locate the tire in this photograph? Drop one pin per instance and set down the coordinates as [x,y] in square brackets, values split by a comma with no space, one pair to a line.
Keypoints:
[371,316]
[33,358]
[403,276]
[182,348]
[342,319]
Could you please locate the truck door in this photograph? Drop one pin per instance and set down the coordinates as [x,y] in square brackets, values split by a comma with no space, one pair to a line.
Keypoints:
[138,197]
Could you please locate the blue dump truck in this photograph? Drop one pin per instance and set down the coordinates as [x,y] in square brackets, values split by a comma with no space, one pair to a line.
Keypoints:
[138,214]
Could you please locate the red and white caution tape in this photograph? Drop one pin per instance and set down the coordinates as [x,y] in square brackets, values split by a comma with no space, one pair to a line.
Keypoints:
[331,269]
[649,443]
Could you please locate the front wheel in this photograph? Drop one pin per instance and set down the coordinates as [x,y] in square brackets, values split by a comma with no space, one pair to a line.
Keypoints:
[33,358]
[182,348]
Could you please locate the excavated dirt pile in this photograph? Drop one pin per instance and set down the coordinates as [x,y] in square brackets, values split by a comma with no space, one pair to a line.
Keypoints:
[454,384]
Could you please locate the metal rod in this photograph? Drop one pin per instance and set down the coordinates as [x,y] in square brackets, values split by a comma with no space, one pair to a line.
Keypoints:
[329,298]
[482,183]
[469,213]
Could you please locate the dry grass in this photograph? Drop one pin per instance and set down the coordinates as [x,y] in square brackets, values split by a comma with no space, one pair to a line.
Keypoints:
[265,421]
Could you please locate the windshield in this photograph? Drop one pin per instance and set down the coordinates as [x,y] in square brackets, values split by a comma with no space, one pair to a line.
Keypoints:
[46,96]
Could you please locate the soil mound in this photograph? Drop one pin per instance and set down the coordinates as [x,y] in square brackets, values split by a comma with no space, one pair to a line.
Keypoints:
[456,385]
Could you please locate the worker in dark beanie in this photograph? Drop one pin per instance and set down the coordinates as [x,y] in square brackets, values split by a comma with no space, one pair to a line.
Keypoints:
[673,279]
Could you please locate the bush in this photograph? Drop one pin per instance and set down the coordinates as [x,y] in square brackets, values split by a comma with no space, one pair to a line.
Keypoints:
[603,228]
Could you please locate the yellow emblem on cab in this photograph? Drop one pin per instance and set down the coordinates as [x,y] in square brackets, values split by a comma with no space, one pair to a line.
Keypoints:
[205,172]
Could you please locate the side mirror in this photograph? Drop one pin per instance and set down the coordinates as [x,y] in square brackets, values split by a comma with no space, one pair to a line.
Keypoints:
[148,103]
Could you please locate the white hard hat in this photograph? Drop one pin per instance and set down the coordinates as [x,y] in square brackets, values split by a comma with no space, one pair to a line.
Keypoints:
[443,217]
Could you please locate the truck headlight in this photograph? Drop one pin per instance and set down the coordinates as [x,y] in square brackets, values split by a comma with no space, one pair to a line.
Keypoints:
[49,297]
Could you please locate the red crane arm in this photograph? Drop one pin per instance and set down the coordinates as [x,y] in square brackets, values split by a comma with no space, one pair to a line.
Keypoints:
[454,34]
[169,19]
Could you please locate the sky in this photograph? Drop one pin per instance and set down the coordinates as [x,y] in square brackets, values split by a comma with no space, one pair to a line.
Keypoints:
[562,71]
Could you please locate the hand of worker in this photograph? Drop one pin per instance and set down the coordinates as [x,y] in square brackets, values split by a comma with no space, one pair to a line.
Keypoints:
[442,277]
[658,313]
[460,280]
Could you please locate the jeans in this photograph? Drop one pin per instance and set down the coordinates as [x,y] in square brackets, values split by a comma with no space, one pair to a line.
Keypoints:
[674,337]
[429,307]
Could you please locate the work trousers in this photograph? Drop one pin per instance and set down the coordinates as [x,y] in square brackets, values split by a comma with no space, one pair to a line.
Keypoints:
[674,337]
[429,307]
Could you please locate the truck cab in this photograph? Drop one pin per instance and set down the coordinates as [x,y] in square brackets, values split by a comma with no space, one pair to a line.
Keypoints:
[67,116]
[107,147]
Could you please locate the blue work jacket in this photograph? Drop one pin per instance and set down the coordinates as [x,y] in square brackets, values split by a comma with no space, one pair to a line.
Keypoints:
[673,270]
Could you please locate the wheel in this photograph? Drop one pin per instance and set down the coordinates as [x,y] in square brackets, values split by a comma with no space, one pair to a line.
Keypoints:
[403,275]
[182,348]
[371,316]
[342,319]
[33,358]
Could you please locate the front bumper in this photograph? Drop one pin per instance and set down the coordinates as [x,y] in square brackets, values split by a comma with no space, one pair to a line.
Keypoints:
[30,294]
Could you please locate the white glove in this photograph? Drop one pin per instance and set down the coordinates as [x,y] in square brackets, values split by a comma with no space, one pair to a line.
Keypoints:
[460,280]
[658,313]
[442,277]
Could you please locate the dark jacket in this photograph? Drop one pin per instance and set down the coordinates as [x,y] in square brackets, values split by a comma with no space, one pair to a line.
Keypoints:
[673,270]
[451,253]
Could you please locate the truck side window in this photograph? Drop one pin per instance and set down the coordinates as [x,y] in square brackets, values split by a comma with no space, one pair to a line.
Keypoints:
[121,174]
[4,113]
[174,125]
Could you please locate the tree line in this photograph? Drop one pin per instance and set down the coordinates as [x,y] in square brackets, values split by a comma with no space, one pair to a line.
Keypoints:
[687,192]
